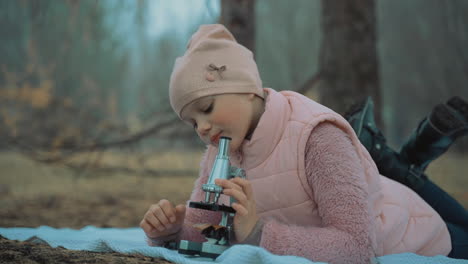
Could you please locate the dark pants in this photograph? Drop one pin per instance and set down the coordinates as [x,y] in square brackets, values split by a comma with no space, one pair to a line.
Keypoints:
[454,215]
[459,237]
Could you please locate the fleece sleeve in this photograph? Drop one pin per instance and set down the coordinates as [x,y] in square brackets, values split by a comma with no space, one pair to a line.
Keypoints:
[197,216]
[337,179]
[193,216]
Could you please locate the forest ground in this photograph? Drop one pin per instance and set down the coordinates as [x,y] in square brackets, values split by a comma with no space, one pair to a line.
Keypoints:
[34,194]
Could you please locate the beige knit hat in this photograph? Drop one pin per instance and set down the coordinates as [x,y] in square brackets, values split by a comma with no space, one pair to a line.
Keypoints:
[214,63]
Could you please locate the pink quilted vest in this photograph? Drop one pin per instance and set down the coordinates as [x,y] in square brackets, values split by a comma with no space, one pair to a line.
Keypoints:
[274,163]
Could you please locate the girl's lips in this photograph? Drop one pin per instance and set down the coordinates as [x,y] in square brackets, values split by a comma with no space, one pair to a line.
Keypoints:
[215,139]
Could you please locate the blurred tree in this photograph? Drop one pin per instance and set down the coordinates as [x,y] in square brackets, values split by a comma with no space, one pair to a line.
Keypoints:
[65,84]
[239,17]
[287,44]
[59,68]
[422,60]
[348,64]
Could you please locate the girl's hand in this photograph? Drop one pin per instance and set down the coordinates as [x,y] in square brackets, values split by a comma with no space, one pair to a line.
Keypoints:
[246,212]
[163,219]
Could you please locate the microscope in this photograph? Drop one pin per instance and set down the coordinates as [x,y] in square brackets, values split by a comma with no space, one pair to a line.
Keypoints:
[219,236]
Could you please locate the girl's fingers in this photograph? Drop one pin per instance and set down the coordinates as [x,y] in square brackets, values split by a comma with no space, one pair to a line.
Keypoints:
[245,185]
[241,190]
[236,194]
[147,227]
[180,212]
[158,213]
[156,219]
[165,224]
[241,210]
[169,211]
[151,219]
[228,184]
[238,184]
[162,219]
[150,229]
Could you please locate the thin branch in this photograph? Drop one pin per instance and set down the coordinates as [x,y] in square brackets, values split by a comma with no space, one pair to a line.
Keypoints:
[144,171]
[62,154]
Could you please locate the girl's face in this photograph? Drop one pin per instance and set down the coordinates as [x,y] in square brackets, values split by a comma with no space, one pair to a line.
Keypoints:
[230,115]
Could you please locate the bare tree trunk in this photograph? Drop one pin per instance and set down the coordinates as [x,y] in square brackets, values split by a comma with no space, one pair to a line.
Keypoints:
[239,17]
[348,59]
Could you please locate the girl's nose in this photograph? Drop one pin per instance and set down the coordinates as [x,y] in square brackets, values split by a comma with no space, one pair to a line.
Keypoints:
[203,128]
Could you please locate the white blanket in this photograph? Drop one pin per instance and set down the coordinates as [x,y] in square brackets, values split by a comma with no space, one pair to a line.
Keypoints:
[132,240]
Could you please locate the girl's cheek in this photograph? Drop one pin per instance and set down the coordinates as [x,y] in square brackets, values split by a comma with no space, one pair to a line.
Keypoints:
[218,117]
[225,116]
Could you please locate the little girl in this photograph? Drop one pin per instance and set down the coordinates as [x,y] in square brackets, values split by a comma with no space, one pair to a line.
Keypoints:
[312,189]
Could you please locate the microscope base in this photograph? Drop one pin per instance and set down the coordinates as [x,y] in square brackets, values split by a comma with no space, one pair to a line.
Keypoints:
[205,249]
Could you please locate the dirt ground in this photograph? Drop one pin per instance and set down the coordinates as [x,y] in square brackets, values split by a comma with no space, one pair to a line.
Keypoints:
[24,252]
[33,194]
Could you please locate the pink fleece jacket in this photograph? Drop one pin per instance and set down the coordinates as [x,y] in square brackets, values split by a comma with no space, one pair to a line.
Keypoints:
[332,206]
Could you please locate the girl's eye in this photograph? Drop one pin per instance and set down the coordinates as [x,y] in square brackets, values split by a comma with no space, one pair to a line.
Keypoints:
[209,109]
[194,125]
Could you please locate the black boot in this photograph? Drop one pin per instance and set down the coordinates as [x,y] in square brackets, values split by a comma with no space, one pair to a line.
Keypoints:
[436,133]
[394,166]
[390,163]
